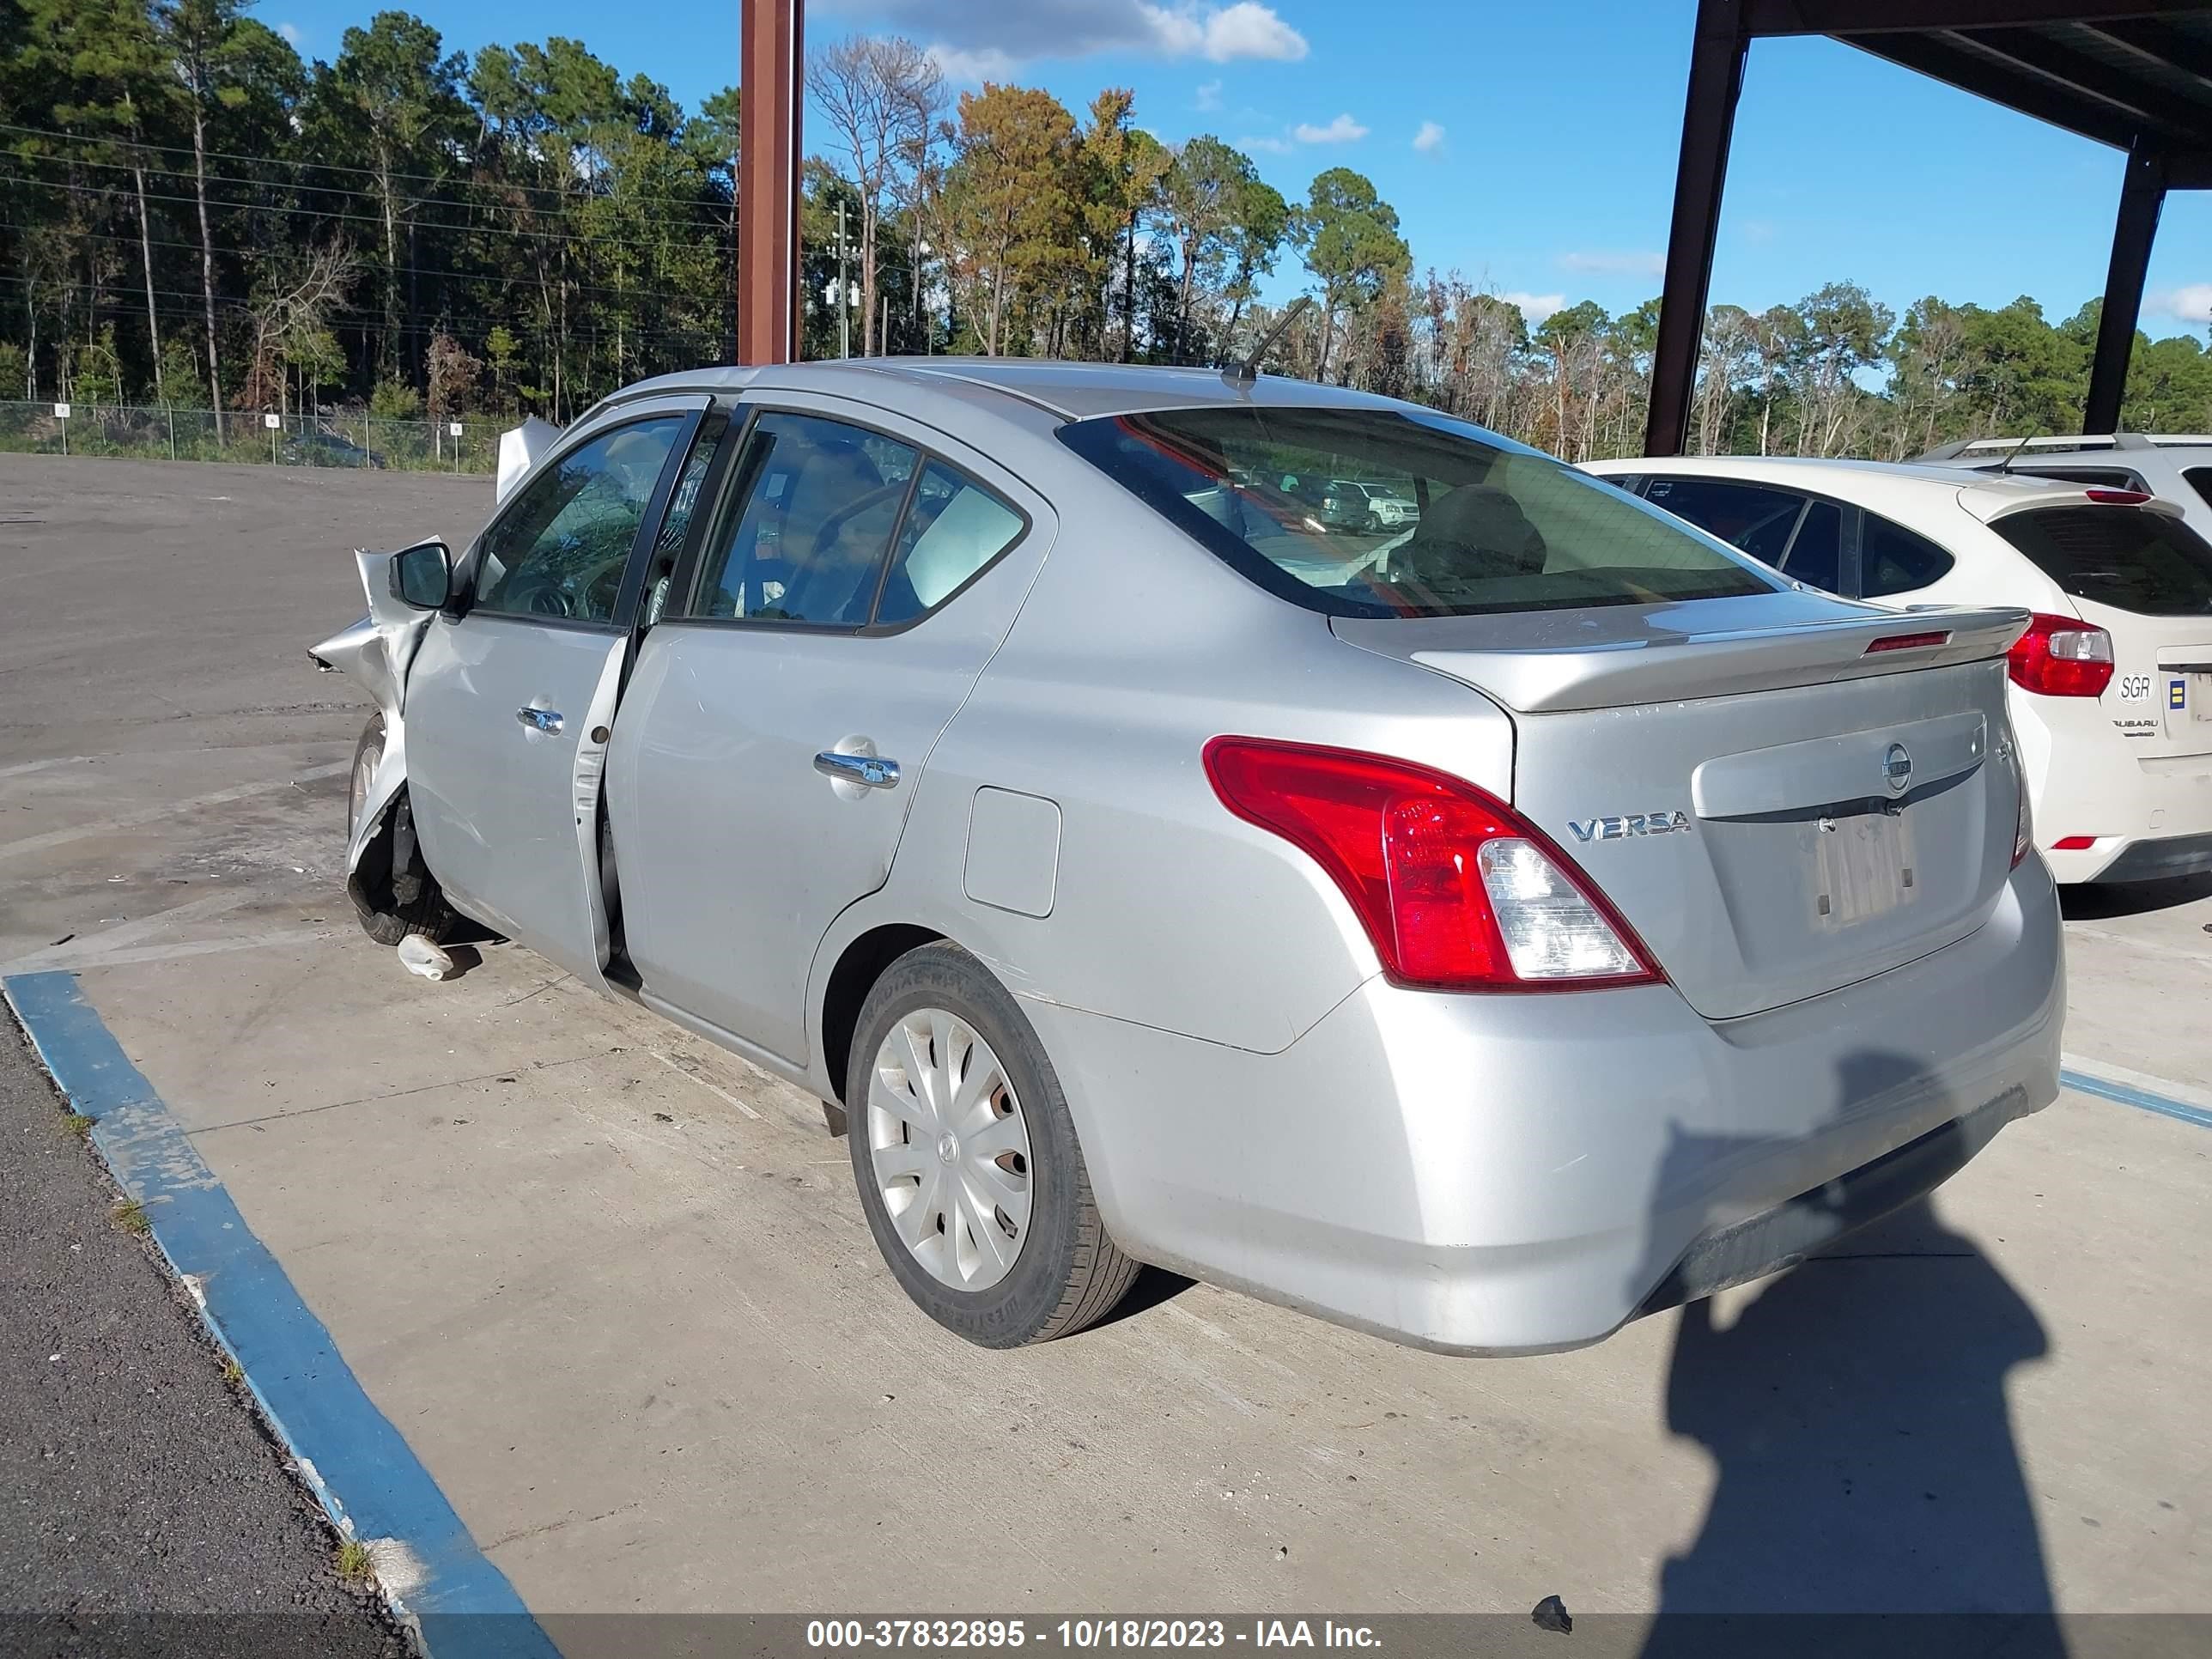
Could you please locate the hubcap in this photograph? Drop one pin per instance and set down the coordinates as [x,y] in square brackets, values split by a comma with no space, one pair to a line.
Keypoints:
[950,1150]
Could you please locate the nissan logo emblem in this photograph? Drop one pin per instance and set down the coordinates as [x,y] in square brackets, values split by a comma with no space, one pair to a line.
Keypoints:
[1896,768]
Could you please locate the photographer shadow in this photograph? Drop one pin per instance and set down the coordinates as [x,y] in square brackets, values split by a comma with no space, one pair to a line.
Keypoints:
[1869,1494]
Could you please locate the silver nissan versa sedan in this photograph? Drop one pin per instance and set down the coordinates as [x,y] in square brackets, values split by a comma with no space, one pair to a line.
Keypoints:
[1479,932]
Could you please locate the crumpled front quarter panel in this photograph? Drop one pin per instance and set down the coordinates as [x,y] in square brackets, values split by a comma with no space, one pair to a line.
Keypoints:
[377,651]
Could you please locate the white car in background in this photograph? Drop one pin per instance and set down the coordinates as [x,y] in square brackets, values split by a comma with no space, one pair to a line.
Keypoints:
[2177,467]
[2112,683]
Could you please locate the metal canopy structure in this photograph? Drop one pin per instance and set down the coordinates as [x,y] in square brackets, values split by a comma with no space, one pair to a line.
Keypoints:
[772,56]
[2135,76]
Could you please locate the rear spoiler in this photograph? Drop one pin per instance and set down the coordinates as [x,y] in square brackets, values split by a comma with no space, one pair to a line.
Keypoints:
[1989,508]
[521,449]
[1649,666]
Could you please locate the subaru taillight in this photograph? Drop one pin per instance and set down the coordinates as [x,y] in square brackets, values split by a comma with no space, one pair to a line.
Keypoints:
[2061,657]
[1456,890]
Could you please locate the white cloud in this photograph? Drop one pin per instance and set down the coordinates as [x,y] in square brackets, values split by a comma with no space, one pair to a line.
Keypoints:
[2191,303]
[1005,33]
[966,67]
[1209,96]
[1246,29]
[1342,130]
[1535,306]
[1616,264]
[290,32]
[1430,138]
[1265,146]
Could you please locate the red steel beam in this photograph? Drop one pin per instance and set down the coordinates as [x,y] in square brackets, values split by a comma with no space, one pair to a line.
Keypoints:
[767,179]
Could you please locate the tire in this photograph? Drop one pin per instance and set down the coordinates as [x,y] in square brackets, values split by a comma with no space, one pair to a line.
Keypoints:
[390,906]
[1066,1271]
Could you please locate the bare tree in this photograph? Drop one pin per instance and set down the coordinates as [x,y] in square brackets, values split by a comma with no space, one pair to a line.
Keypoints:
[1726,353]
[290,306]
[194,33]
[880,94]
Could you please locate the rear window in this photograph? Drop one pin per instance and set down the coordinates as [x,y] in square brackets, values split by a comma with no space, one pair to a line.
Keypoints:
[2122,556]
[1487,527]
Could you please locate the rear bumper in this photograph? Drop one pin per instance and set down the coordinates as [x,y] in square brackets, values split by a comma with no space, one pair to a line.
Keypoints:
[1519,1174]
[2151,814]
[2121,858]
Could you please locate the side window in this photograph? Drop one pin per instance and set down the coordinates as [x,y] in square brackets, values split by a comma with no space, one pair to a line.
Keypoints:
[815,516]
[2200,480]
[954,528]
[1751,516]
[1896,561]
[560,549]
[1816,552]
[668,543]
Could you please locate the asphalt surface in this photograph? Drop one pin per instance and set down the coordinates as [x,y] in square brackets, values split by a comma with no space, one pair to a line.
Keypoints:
[144,1507]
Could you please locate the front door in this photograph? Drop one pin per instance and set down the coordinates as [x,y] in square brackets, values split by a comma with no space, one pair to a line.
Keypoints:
[773,736]
[509,704]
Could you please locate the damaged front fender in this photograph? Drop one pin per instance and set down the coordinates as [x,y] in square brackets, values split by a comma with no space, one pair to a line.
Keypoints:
[377,651]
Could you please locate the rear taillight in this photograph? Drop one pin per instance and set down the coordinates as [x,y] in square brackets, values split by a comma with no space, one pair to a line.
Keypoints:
[2117,497]
[1455,890]
[2073,843]
[2061,657]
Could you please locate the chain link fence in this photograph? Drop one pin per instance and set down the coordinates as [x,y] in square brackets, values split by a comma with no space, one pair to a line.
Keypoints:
[469,444]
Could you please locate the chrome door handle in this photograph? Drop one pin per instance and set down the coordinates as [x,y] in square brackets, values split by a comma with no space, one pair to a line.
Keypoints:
[539,720]
[870,770]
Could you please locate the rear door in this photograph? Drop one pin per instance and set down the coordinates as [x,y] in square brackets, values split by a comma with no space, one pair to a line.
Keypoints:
[509,702]
[2145,577]
[853,583]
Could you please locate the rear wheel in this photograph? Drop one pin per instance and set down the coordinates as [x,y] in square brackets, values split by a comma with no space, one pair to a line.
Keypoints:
[967,1160]
[392,890]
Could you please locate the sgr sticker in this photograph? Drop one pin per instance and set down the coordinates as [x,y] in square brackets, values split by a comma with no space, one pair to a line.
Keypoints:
[2134,687]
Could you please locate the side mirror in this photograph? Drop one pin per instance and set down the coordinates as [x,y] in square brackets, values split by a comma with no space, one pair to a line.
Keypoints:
[423,575]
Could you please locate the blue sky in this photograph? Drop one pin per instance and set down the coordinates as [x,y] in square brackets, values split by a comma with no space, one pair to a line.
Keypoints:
[1532,148]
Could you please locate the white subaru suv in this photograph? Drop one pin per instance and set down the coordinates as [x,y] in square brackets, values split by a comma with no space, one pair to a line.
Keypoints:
[2112,683]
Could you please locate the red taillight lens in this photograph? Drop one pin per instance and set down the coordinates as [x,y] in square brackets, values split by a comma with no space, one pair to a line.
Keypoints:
[2118,497]
[1455,890]
[2073,843]
[2061,657]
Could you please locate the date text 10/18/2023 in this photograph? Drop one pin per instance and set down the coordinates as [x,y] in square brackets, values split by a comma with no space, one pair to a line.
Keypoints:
[1086,1634]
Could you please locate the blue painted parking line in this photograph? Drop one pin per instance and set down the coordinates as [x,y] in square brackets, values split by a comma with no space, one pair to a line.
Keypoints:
[358,1465]
[2129,1094]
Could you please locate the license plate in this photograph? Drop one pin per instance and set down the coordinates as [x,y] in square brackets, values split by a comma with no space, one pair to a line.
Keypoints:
[1862,867]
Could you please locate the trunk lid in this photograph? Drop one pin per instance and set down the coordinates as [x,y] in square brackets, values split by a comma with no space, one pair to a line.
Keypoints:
[1775,795]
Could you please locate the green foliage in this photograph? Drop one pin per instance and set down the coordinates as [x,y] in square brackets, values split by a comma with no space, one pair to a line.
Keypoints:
[1349,236]
[188,210]
[391,401]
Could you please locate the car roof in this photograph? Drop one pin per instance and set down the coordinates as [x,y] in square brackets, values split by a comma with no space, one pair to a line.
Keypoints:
[1073,390]
[1815,473]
